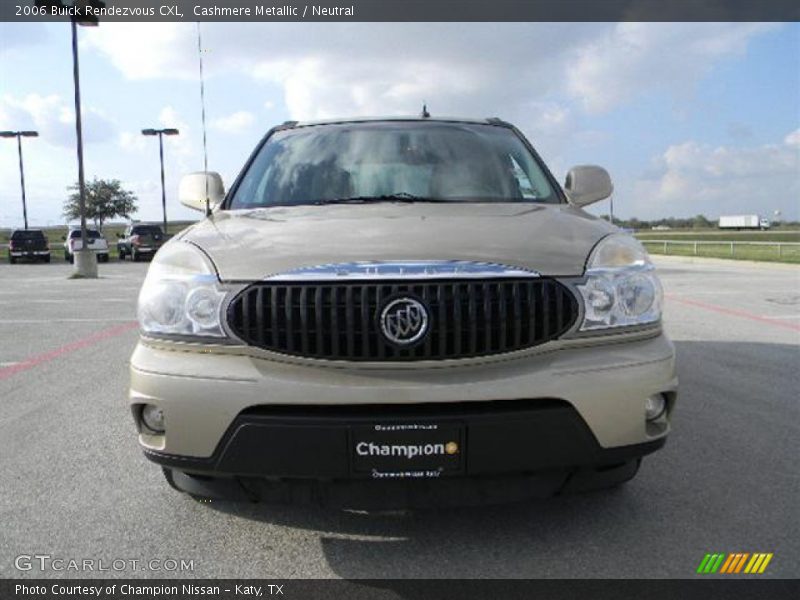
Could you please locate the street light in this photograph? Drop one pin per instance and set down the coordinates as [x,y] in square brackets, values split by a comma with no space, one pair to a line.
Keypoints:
[161,133]
[85,259]
[19,135]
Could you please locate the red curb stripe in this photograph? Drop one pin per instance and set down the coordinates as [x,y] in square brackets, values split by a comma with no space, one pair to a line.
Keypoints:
[35,361]
[733,312]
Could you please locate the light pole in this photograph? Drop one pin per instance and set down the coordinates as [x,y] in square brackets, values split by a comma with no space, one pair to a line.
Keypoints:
[85,259]
[19,135]
[161,133]
[611,208]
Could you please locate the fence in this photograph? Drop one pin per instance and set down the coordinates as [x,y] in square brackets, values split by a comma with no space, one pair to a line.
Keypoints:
[788,251]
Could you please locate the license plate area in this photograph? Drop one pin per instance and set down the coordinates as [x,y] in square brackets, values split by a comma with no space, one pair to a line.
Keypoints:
[407,450]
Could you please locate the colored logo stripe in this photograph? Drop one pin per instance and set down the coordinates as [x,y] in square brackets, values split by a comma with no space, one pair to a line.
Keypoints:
[734,563]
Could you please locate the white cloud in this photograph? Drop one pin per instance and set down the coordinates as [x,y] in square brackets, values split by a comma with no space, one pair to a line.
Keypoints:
[236,122]
[466,68]
[697,178]
[541,76]
[147,50]
[54,118]
[635,58]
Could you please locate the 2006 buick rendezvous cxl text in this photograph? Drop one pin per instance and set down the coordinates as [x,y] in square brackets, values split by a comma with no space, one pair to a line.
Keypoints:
[400,312]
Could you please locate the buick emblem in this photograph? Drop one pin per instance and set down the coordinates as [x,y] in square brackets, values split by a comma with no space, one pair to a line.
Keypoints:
[404,321]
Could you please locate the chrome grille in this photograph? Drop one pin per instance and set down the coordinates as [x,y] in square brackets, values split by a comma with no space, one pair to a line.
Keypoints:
[340,320]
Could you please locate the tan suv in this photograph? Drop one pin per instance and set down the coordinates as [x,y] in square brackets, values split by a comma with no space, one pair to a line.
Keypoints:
[400,312]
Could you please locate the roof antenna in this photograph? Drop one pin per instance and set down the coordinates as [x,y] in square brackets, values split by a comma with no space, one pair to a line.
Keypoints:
[203,116]
[425,113]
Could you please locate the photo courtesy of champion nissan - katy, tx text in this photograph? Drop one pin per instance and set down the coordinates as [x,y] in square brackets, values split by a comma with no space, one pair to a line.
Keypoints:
[404,312]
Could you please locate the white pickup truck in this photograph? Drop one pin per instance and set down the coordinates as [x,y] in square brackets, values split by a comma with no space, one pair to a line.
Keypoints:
[95,242]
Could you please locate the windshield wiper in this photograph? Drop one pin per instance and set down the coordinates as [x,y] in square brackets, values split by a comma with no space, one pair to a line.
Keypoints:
[398,197]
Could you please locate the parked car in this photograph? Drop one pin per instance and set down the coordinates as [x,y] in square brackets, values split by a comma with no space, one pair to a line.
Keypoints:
[140,240]
[400,312]
[28,243]
[96,242]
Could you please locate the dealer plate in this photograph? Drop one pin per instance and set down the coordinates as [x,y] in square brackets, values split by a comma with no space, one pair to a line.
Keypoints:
[408,450]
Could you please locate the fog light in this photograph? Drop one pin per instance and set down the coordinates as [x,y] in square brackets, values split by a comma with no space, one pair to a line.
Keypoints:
[153,418]
[654,407]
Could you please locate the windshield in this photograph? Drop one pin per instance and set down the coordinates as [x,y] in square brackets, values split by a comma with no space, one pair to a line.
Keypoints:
[393,161]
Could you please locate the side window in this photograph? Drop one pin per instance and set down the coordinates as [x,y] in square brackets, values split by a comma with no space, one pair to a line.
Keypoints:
[526,188]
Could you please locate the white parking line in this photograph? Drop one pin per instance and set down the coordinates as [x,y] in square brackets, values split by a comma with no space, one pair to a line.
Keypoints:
[36,321]
[758,291]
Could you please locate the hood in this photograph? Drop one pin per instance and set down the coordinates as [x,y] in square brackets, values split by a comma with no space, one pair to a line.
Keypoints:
[253,244]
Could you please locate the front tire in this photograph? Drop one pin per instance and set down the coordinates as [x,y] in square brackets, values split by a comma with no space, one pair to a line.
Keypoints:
[11,260]
[135,256]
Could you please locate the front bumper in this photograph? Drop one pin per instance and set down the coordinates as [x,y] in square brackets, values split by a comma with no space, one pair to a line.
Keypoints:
[206,392]
[507,450]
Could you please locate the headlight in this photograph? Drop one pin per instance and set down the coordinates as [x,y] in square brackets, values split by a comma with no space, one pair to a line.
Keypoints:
[621,286]
[181,294]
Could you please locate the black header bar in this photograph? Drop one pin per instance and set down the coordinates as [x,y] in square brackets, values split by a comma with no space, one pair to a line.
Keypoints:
[418,589]
[417,10]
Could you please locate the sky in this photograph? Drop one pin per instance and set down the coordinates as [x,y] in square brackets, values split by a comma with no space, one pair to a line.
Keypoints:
[688,118]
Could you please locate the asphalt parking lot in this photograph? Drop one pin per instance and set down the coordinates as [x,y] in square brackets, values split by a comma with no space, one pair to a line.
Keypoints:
[75,485]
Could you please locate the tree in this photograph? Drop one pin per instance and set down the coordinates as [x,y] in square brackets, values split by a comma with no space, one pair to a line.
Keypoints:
[105,199]
[700,222]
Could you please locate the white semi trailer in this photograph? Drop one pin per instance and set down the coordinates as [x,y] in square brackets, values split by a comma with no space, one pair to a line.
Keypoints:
[743,222]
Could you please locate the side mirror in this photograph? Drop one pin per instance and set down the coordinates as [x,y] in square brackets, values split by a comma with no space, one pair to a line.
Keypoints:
[119,235]
[63,237]
[587,184]
[192,190]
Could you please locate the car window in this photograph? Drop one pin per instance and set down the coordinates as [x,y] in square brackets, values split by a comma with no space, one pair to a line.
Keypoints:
[455,162]
[146,230]
[27,235]
[92,234]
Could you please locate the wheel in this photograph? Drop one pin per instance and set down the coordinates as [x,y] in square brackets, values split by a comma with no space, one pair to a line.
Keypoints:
[103,258]
[11,259]
[121,254]
[135,256]
[47,258]
[66,256]
[71,259]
